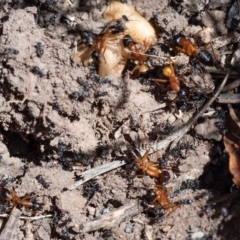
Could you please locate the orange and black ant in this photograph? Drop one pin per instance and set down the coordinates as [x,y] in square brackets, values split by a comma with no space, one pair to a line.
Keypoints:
[26,201]
[135,54]
[113,27]
[156,203]
[96,44]
[186,46]
[169,72]
[144,164]
[160,196]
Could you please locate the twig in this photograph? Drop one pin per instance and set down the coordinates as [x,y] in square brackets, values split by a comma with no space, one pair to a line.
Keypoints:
[225,40]
[113,218]
[177,135]
[231,85]
[28,218]
[229,98]
[160,107]
[10,227]
[94,172]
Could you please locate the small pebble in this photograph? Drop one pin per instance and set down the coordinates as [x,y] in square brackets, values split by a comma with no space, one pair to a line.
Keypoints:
[166,228]
[197,235]
[105,210]
[224,211]
[128,229]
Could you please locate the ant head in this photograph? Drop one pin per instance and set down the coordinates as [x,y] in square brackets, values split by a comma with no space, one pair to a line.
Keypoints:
[127,39]
[125,18]
[182,94]
[177,38]
[95,55]
[36,206]
[5,193]
[168,71]
[143,69]
[150,194]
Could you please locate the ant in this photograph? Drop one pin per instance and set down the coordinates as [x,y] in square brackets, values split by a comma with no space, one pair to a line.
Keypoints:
[87,38]
[155,213]
[86,85]
[15,4]
[107,233]
[90,188]
[100,94]
[114,27]
[26,201]
[82,158]
[61,148]
[51,20]
[99,46]
[8,180]
[66,164]
[95,49]
[189,48]
[142,162]
[190,184]
[11,51]
[79,96]
[39,48]
[160,196]
[51,2]
[42,181]
[37,71]
[117,25]
[65,234]
[135,54]
[169,72]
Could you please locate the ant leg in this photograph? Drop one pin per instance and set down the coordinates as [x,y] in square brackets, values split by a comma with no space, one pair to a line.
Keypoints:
[160,80]
[170,206]
[134,69]
[145,156]
[157,81]
[194,37]
[214,54]
[27,197]
[13,194]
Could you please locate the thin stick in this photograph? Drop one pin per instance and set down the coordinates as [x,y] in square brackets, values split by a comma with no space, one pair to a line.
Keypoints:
[94,172]
[230,98]
[113,218]
[160,107]
[225,40]
[231,85]
[28,218]
[177,135]
[10,227]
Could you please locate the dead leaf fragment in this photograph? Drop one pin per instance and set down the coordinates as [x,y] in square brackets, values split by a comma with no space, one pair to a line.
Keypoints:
[83,54]
[112,58]
[233,150]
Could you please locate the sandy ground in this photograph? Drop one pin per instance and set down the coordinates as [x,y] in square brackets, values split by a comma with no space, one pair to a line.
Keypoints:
[46,130]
